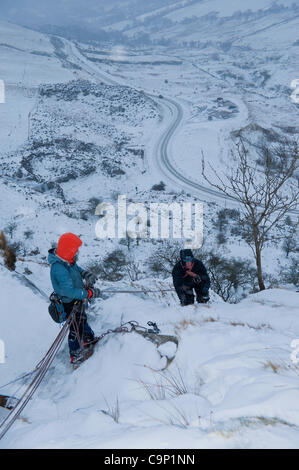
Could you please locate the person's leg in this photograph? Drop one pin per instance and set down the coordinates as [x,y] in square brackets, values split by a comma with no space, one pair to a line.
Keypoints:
[81,324]
[181,295]
[74,346]
[188,295]
[75,338]
[88,334]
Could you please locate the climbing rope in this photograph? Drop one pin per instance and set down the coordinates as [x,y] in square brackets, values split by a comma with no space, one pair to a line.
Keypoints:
[122,329]
[78,324]
[19,378]
[43,366]
[145,291]
[41,370]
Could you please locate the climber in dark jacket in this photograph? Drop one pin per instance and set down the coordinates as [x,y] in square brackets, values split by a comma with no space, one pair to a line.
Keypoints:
[188,274]
[67,280]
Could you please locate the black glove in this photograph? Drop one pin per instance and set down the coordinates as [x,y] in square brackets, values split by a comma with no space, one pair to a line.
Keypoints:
[89,277]
[94,293]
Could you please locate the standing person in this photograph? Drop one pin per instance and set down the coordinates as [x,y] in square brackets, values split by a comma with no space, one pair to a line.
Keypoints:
[188,274]
[67,281]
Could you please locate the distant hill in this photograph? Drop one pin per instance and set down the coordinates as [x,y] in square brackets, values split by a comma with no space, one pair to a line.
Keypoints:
[143,21]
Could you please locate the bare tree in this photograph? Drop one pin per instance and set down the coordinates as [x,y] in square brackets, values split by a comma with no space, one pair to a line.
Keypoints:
[229,276]
[290,243]
[133,270]
[164,258]
[264,196]
[290,239]
[10,229]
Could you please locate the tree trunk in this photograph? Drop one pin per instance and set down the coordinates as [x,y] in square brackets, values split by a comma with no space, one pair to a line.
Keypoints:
[258,259]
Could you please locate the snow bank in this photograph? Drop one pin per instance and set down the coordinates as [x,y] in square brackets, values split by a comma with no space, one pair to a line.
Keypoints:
[231,384]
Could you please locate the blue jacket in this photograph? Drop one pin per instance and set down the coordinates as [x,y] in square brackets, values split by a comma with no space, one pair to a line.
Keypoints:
[66,279]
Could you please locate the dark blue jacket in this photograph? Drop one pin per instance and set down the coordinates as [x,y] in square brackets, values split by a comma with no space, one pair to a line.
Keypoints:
[66,279]
[180,278]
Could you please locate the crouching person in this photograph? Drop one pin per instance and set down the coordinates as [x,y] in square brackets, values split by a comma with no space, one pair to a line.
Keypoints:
[67,281]
[189,276]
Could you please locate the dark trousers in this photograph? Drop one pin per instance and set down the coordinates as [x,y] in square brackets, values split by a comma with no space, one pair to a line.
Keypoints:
[80,330]
[186,292]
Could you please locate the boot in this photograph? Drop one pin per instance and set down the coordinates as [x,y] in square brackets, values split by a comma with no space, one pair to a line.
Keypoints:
[75,357]
[202,299]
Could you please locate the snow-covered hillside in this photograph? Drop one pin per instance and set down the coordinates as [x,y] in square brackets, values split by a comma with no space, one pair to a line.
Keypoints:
[64,146]
[236,386]
[135,16]
[94,128]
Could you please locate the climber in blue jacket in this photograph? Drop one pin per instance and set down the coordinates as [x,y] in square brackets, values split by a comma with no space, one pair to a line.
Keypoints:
[67,280]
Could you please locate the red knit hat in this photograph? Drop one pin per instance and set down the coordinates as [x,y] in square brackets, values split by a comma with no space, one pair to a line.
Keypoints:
[68,245]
